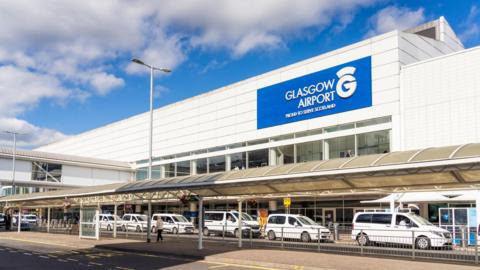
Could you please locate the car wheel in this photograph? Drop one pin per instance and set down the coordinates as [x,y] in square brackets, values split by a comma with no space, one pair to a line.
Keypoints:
[109,228]
[174,230]
[271,235]
[206,232]
[138,229]
[422,242]
[362,240]
[305,237]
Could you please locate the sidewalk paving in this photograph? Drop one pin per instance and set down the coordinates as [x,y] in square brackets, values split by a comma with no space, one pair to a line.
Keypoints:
[227,253]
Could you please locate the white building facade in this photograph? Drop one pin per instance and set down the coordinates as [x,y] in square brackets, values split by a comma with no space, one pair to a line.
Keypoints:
[398,91]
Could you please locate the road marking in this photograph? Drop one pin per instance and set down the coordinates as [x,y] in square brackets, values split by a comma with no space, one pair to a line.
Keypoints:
[62,260]
[94,263]
[72,260]
[52,256]
[45,257]
[37,242]
[28,254]
[123,268]
[217,266]
[240,265]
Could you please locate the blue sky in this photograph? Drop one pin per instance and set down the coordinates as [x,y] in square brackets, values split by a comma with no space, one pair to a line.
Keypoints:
[65,66]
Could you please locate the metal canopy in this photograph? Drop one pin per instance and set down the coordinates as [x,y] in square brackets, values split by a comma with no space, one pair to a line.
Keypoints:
[430,168]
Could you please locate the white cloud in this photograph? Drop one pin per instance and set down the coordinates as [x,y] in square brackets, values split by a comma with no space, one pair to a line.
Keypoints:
[470,27]
[29,135]
[395,18]
[63,50]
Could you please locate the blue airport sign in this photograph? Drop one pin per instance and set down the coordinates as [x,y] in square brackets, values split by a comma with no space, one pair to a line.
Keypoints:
[341,88]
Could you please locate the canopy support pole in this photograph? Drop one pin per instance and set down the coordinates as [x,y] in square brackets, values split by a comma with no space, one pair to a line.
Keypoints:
[149,221]
[392,205]
[19,219]
[240,232]
[115,220]
[48,220]
[200,223]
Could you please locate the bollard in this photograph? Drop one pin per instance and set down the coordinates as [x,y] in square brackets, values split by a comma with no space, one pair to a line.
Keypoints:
[413,245]
[178,231]
[335,232]
[251,238]
[282,238]
[361,245]
[476,247]
[319,237]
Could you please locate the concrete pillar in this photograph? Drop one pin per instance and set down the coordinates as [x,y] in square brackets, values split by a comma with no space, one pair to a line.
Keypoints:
[326,150]
[149,221]
[272,205]
[272,157]
[162,171]
[200,223]
[240,224]
[48,219]
[97,222]
[228,163]
[115,206]
[80,222]
[392,205]
[193,167]
[19,219]
[423,210]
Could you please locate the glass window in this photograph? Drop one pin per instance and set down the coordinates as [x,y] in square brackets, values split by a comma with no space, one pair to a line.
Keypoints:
[142,174]
[216,149]
[375,121]
[284,154]
[236,145]
[339,127]
[373,142]
[214,216]
[258,158]
[291,220]
[382,219]
[238,161]
[216,164]
[156,172]
[169,170]
[46,171]
[308,133]
[283,137]
[202,166]
[402,220]
[341,147]
[183,168]
[364,218]
[309,151]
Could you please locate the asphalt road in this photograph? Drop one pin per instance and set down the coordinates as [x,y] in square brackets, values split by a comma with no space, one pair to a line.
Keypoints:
[19,255]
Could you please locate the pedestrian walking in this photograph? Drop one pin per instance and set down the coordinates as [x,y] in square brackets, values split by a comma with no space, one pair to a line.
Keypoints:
[159,228]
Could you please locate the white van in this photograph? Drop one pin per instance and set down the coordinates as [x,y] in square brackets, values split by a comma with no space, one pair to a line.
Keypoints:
[398,228]
[295,227]
[107,221]
[173,223]
[134,222]
[218,222]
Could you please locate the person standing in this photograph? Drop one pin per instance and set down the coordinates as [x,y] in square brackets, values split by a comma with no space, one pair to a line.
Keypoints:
[8,222]
[159,228]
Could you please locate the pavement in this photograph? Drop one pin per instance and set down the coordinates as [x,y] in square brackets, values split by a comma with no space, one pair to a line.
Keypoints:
[180,253]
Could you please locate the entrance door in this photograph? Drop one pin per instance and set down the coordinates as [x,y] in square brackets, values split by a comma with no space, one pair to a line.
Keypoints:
[329,216]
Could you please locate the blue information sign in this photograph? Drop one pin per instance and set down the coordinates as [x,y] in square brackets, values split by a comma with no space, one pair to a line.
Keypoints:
[333,90]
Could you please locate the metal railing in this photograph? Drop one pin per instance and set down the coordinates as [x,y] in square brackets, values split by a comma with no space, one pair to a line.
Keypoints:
[408,243]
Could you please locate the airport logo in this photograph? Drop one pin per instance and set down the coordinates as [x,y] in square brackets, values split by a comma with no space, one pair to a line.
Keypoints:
[333,90]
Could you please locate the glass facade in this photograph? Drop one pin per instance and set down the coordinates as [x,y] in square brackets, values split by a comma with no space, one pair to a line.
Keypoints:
[373,142]
[309,151]
[46,172]
[258,158]
[216,164]
[341,147]
[338,147]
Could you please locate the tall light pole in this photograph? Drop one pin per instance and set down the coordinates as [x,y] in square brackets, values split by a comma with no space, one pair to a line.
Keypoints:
[150,138]
[14,154]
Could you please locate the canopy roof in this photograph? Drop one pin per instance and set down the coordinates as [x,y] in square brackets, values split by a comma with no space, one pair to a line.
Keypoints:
[430,168]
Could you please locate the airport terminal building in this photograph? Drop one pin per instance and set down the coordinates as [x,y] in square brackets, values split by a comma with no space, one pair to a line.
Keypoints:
[399,91]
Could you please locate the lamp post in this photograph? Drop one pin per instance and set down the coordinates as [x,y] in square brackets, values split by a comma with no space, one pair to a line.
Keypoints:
[152,68]
[14,154]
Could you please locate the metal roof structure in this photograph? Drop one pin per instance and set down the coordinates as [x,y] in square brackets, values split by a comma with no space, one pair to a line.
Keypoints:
[65,159]
[425,169]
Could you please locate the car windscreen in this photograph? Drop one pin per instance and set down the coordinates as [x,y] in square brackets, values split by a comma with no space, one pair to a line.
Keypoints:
[110,217]
[306,220]
[142,218]
[419,220]
[31,217]
[179,219]
[245,216]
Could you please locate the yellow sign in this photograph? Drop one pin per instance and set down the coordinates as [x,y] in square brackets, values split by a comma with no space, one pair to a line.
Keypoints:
[287,202]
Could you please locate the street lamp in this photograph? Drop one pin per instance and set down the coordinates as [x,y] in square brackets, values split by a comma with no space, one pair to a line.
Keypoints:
[152,68]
